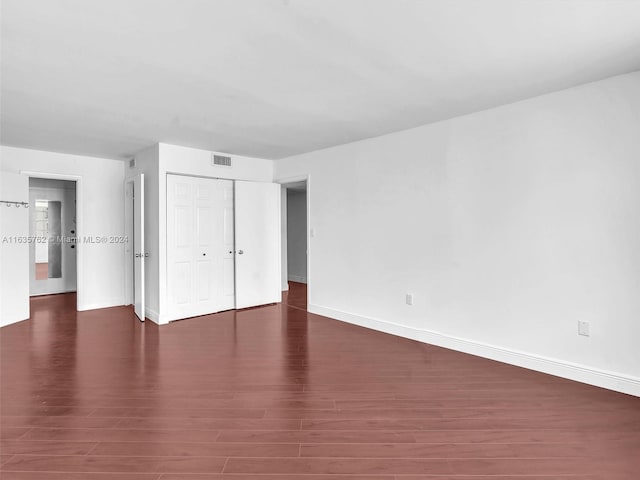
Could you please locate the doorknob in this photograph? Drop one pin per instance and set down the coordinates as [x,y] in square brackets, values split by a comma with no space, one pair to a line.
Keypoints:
[240,252]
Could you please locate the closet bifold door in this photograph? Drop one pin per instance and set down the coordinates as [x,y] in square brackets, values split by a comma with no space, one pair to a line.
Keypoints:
[200,238]
[257,230]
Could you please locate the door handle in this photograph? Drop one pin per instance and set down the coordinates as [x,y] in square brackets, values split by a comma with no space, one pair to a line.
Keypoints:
[240,252]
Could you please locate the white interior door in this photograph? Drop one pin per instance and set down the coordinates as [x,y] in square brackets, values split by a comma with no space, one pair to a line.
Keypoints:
[138,246]
[200,238]
[257,222]
[128,246]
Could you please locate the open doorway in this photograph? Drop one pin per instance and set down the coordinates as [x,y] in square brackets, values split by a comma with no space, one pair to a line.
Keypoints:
[53,232]
[295,248]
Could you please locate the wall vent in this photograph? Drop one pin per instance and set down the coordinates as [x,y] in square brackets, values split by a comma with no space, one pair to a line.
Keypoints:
[132,163]
[221,160]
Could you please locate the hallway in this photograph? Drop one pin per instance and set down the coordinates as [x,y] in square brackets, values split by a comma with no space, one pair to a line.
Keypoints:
[275,390]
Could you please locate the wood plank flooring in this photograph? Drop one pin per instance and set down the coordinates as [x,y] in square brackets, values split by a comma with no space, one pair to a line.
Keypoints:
[275,393]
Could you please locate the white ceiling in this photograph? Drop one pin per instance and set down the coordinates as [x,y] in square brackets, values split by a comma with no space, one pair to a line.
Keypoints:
[271,78]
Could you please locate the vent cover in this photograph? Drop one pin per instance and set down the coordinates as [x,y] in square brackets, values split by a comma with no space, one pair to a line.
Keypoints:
[132,163]
[221,160]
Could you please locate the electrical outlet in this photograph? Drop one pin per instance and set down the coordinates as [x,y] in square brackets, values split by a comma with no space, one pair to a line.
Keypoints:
[409,299]
[583,328]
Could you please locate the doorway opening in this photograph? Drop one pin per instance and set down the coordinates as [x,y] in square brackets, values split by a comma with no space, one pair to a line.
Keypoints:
[295,245]
[53,230]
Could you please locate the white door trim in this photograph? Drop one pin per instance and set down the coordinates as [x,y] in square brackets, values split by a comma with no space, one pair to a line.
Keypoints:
[66,283]
[80,300]
[129,296]
[139,243]
[294,179]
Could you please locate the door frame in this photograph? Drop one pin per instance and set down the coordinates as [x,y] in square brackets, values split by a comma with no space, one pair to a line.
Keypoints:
[129,249]
[61,194]
[79,227]
[283,218]
[129,294]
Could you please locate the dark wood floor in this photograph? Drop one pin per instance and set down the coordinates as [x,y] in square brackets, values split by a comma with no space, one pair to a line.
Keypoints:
[275,393]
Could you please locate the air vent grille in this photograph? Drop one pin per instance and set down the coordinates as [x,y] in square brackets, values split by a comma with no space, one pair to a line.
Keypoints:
[221,160]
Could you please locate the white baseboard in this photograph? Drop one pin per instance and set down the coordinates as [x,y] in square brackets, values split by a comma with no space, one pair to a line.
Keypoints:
[6,322]
[297,278]
[155,317]
[581,373]
[95,306]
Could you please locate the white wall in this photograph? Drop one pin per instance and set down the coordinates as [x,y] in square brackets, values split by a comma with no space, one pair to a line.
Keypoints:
[14,256]
[297,236]
[508,226]
[100,214]
[193,161]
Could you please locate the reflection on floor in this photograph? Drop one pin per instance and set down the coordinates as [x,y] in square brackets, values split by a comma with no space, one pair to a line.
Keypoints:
[296,297]
[42,271]
[276,393]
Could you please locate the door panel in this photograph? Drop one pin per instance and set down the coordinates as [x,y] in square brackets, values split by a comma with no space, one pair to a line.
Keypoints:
[69,229]
[182,283]
[179,240]
[199,245]
[228,287]
[138,247]
[182,227]
[257,230]
[204,281]
[205,228]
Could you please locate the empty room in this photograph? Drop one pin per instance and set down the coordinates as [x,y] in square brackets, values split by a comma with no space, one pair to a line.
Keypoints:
[319,239]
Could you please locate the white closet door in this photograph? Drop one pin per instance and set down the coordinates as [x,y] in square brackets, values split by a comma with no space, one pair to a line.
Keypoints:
[227,290]
[199,256]
[180,244]
[257,222]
